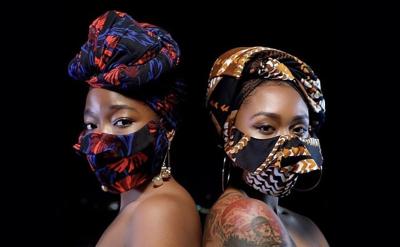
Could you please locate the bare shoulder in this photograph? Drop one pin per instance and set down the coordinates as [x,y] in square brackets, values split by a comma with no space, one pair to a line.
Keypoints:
[302,226]
[297,219]
[242,221]
[169,218]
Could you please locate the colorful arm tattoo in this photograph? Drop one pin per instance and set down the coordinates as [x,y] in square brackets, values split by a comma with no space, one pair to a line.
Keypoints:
[244,222]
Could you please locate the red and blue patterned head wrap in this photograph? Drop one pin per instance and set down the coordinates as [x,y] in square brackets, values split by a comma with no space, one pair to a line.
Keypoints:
[132,58]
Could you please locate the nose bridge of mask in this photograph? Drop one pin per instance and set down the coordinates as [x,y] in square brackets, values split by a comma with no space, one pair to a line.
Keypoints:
[299,155]
[247,152]
[275,153]
[255,153]
[117,145]
[100,143]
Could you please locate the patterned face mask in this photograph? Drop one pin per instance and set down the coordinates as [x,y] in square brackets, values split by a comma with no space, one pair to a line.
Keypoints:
[123,162]
[272,165]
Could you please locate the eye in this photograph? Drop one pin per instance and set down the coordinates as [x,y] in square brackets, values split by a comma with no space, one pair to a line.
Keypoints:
[265,129]
[300,130]
[123,122]
[90,126]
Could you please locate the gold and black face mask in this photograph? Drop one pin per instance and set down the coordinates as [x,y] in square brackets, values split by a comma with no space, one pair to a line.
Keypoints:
[272,165]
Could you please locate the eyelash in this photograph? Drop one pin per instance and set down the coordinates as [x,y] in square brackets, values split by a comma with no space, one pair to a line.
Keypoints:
[125,122]
[128,122]
[90,128]
[262,128]
[300,130]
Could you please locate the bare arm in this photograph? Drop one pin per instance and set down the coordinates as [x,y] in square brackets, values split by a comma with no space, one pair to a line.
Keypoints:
[245,223]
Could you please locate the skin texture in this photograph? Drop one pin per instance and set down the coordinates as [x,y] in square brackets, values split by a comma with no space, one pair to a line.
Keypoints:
[273,110]
[112,113]
[250,219]
[149,216]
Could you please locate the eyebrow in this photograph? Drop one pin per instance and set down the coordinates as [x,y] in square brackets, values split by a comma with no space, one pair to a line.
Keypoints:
[300,118]
[88,112]
[267,114]
[278,117]
[122,107]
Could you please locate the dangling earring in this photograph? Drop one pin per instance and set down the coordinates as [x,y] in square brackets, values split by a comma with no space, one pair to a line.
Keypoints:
[223,175]
[165,172]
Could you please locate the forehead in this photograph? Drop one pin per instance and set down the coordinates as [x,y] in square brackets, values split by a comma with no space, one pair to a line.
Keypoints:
[101,95]
[99,99]
[279,99]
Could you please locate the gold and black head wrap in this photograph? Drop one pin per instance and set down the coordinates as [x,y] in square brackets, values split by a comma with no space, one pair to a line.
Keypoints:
[233,69]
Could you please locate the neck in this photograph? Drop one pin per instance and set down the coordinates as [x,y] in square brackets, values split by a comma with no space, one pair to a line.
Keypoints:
[238,183]
[133,195]
[272,201]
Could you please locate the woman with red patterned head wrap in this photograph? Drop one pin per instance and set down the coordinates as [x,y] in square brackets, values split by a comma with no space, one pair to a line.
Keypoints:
[130,118]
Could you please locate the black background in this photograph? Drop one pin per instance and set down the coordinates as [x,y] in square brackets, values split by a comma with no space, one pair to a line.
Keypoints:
[48,195]
[52,198]
[203,31]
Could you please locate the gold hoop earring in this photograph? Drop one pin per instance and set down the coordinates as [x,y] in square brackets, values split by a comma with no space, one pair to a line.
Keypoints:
[313,186]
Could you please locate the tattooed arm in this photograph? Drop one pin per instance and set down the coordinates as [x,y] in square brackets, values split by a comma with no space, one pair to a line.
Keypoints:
[244,222]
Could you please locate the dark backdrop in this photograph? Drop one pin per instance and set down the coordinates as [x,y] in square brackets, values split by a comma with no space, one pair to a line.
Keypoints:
[204,31]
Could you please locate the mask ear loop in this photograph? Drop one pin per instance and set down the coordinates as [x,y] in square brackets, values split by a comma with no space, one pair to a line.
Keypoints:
[312,187]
